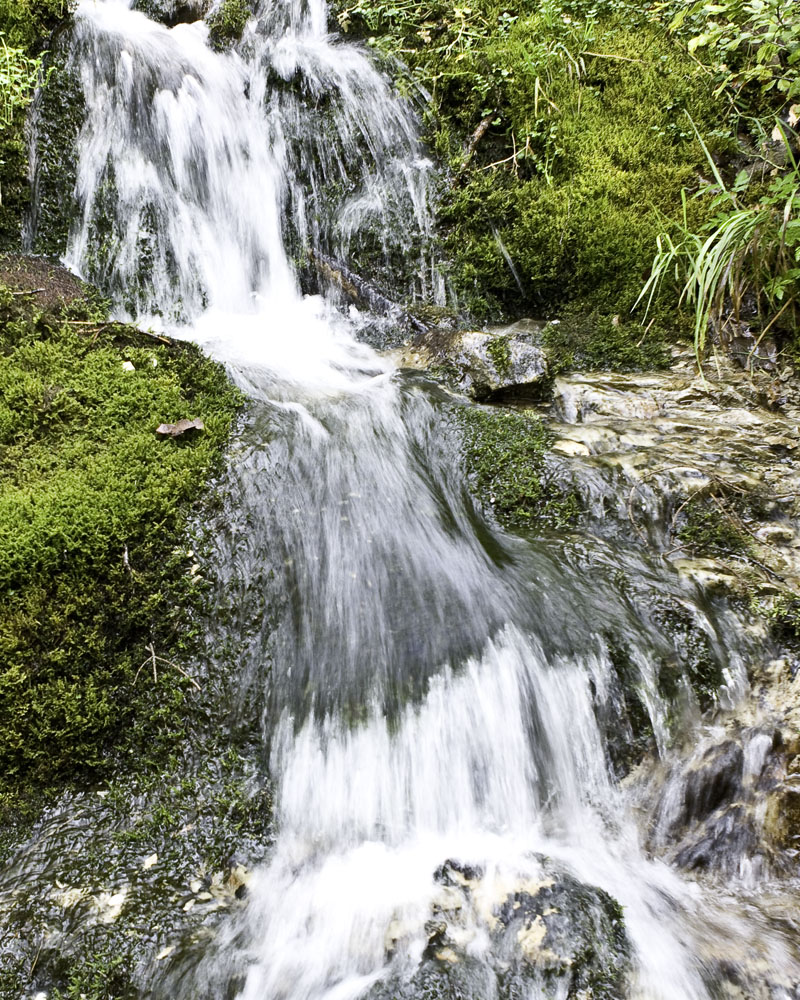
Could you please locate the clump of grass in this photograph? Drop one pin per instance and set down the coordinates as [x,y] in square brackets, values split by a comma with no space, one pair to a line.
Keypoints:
[743,262]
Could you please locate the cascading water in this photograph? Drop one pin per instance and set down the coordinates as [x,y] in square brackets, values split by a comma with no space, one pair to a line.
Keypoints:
[435,686]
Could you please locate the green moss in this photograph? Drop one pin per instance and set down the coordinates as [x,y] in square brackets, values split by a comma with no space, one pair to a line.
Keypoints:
[713,527]
[13,181]
[583,148]
[499,351]
[60,115]
[92,512]
[27,25]
[30,23]
[227,22]
[595,341]
[504,454]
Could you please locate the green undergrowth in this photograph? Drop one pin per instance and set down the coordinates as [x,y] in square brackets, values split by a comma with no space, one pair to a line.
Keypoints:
[565,129]
[95,572]
[504,454]
[228,21]
[589,341]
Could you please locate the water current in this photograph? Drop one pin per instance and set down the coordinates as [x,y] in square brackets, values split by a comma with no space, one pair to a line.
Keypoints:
[435,694]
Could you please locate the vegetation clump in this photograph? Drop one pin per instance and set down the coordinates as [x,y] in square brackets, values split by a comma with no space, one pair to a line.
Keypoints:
[26,28]
[566,135]
[94,574]
[227,22]
[504,452]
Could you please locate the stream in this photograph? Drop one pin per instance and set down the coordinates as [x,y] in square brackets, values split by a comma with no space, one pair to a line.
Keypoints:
[440,703]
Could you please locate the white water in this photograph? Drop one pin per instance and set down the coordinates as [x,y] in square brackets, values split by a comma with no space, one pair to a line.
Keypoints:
[418,708]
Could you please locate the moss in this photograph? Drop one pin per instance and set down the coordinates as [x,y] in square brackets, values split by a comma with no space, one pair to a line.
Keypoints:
[602,342]
[499,351]
[27,25]
[92,512]
[60,112]
[228,21]
[566,129]
[30,23]
[13,181]
[712,524]
[504,454]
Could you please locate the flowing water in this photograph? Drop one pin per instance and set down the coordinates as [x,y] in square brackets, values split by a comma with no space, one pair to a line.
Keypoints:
[439,700]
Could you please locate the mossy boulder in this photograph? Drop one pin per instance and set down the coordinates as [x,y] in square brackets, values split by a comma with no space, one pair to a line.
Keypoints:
[505,457]
[94,574]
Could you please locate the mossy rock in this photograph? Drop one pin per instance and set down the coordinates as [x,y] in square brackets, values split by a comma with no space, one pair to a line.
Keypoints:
[505,457]
[58,113]
[92,513]
[29,26]
[227,22]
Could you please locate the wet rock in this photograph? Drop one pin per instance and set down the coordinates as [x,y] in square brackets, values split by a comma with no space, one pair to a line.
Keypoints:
[717,779]
[489,366]
[498,366]
[172,12]
[718,809]
[548,935]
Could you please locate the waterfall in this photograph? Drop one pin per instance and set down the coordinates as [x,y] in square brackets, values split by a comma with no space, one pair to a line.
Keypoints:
[432,700]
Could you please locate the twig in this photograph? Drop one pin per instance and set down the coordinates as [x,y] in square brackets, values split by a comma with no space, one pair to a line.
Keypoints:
[477,135]
[608,55]
[30,291]
[153,658]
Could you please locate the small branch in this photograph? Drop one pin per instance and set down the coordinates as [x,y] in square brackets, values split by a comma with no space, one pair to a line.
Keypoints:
[152,659]
[604,55]
[477,135]
[30,291]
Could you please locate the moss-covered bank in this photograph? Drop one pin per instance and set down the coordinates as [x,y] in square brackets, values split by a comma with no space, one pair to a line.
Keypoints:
[94,569]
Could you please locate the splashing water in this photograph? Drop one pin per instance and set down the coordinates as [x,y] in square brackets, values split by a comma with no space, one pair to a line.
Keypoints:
[434,684]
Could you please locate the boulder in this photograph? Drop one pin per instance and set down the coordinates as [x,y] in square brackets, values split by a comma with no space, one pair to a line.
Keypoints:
[489,366]
[548,934]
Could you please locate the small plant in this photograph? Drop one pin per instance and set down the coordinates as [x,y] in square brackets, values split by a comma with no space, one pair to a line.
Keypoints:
[19,74]
[750,44]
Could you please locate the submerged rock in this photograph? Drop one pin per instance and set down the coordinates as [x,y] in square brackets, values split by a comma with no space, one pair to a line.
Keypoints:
[172,12]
